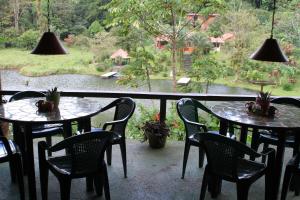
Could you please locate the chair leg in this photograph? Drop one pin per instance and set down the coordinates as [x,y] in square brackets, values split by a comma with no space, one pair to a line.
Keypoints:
[124,159]
[49,143]
[44,173]
[98,182]
[254,141]
[89,183]
[268,185]
[108,154]
[286,183]
[12,168]
[204,185]
[185,157]
[65,188]
[106,183]
[19,169]
[263,159]
[201,157]
[297,184]
[242,191]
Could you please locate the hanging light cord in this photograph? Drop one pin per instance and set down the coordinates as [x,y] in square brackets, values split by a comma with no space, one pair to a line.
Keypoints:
[48,15]
[273,18]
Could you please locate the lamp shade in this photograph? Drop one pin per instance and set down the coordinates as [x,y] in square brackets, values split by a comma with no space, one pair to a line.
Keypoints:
[49,45]
[269,51]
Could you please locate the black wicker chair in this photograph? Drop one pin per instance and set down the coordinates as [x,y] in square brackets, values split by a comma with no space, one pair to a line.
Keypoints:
[292,168]
[226,160]
[270,138]
[124,108]
[188,111]
[84,158]
[9,153]
[38,131]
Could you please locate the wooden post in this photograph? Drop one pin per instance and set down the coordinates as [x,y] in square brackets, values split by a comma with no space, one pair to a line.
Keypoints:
[162,111]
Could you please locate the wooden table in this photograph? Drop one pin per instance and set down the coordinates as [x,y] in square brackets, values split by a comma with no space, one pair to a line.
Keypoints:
[24,113]
[287,118]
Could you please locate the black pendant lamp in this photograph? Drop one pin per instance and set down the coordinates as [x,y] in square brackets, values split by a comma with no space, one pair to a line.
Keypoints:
[49,44]
[270,50]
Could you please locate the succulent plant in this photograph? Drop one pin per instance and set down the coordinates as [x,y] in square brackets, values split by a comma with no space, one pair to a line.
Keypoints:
[52,92]
[53,95]
[264,96]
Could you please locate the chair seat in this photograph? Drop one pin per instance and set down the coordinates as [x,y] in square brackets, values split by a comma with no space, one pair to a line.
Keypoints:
[46,130]
[272,138]
[116,137]
[3,152]
[248,169]
[294,163]
[62,164]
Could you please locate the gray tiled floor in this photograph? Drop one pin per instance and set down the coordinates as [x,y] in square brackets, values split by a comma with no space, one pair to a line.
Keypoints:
[152,175]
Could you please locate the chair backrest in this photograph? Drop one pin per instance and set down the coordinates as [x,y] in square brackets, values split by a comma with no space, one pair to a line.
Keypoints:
[86,151]
[26,95]
[187,110]
[224,154]
[124,108]
[287,100]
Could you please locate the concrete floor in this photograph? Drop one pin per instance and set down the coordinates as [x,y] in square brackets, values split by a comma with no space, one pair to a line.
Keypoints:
[152,175]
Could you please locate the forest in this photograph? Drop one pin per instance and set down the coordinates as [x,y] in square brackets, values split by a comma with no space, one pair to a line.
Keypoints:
[206,40]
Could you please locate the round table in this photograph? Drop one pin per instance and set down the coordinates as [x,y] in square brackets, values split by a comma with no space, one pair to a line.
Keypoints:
[287,118]
[25,113]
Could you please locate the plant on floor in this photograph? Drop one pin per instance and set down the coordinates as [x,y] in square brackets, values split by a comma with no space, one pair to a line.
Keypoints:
[155,132]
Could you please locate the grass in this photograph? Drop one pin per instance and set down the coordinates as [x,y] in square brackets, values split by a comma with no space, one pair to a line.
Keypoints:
[75,62]
[275,90]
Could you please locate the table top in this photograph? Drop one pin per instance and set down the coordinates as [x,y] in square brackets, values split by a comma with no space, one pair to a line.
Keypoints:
[69,109]
[288,117]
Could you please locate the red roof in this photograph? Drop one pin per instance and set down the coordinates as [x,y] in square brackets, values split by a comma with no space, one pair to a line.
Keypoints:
[120,53]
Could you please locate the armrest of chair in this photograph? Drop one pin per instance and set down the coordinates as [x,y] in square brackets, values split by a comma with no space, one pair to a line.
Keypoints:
[202,126]
[42,147]
[270,153]
[6,145]
[106,124]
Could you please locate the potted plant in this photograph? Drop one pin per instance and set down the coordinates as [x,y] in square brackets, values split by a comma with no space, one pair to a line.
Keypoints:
[54,96]
[156,133]
[263,101]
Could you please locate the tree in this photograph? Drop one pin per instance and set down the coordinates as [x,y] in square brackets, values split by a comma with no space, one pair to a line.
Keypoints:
[160,18]
[206,69]
[139,70]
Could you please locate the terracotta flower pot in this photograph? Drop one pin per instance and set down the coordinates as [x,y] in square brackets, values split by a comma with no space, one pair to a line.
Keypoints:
[156,133]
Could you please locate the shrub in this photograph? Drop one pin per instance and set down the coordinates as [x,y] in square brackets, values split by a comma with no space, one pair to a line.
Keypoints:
[287,86]
[28,39]
[82,41]
[78,29]
[8,38]
[95,28]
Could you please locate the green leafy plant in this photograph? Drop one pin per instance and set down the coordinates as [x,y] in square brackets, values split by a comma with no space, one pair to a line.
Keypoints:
[53,95]
[264,96]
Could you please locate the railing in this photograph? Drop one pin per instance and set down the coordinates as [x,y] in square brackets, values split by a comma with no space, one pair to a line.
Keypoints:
[162,97]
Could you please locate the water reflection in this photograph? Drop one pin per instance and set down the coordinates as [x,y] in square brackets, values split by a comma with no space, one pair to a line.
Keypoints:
[12,80]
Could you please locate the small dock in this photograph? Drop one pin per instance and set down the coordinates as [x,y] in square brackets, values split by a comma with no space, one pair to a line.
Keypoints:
[184,81]
[109,75]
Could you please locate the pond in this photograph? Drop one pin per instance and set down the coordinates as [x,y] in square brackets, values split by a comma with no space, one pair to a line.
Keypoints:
[12,80]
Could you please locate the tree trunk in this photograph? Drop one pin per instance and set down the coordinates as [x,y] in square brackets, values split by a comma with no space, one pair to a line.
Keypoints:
[148,79]
[174,49]
[16,7]
[38,13]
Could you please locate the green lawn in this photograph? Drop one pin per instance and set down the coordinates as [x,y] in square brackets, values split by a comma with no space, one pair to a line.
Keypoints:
[75,62]
[275,90]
